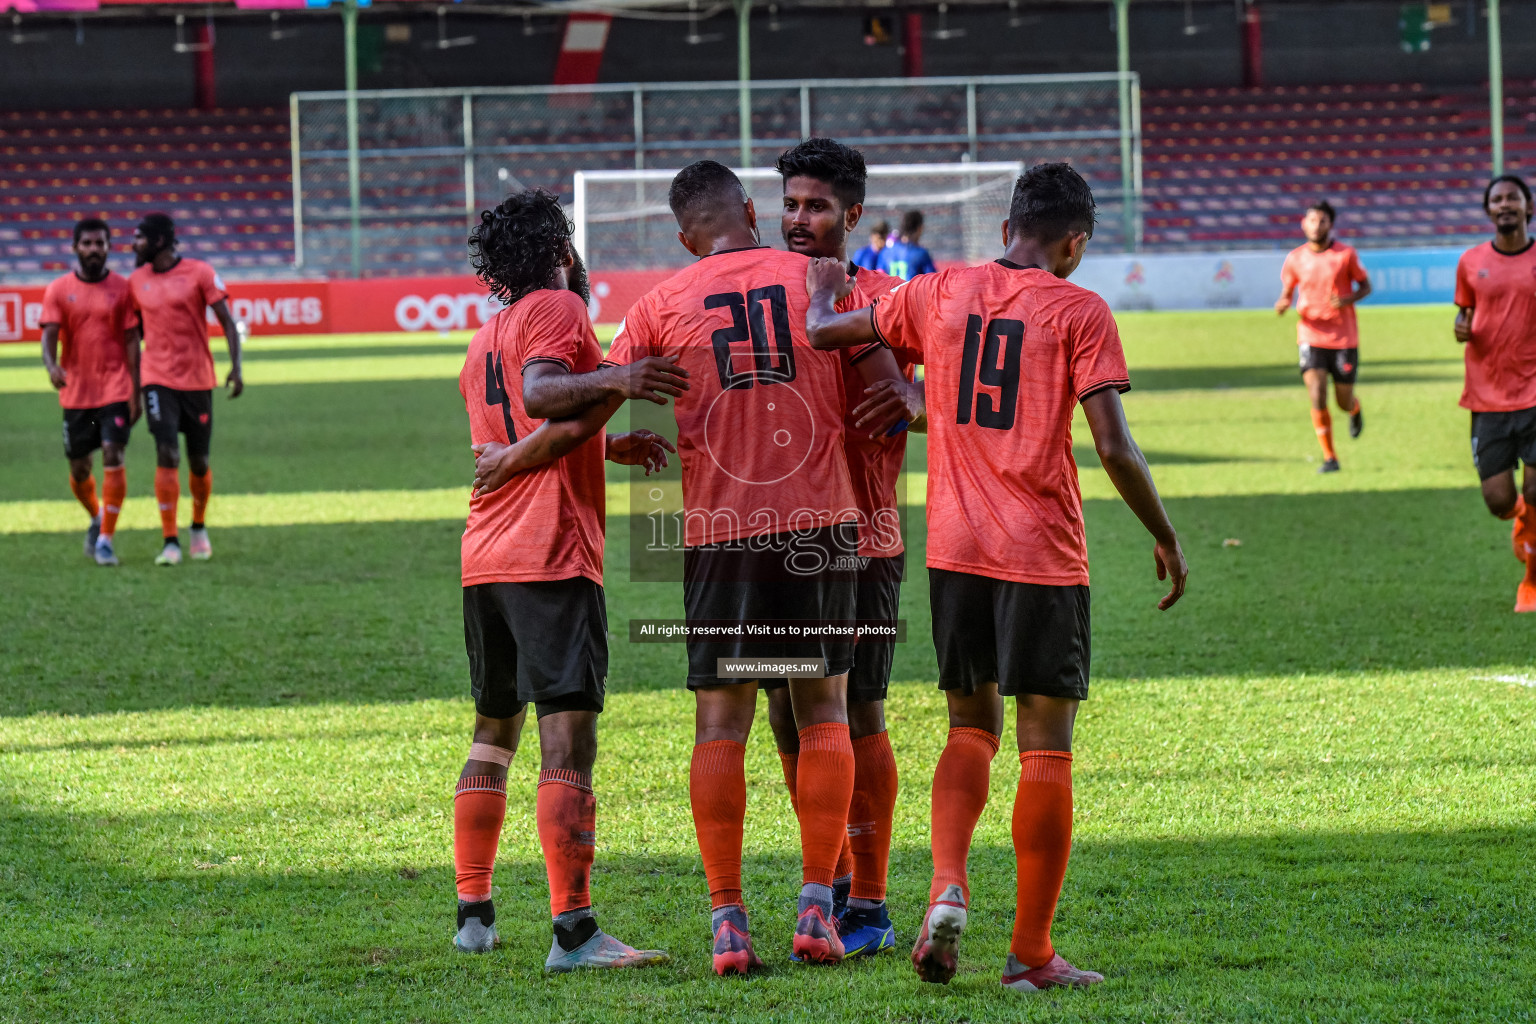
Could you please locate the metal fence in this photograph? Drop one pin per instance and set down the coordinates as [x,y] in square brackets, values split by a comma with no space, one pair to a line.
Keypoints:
[426,160]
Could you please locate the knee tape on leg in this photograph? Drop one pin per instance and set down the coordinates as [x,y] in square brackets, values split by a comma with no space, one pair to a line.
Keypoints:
[490,752]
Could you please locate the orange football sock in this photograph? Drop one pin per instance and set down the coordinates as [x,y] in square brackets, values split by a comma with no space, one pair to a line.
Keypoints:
[959,797]
[167,493]
[479,806]
[1042,840]
[85,490]
[567,818]
[825,789]
[1323,424]
[870,814]
[201,486]
[114,487]
[790,764]
[717,790]
[1523,535]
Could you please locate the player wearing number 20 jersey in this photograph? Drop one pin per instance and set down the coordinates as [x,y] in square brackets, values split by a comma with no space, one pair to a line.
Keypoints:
[769,535]
[1009,349]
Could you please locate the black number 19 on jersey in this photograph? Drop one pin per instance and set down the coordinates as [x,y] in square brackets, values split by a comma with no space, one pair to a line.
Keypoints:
[994,364]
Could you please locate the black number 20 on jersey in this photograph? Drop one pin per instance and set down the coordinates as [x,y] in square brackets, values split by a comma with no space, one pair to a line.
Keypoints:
[770,365]
[994,363]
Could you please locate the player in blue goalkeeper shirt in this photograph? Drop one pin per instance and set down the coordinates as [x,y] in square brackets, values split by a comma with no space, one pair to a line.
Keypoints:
[906,258]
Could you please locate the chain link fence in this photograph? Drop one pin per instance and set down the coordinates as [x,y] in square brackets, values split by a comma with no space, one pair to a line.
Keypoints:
[428,159]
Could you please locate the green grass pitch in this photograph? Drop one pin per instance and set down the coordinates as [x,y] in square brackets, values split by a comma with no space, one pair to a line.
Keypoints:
[1304,795]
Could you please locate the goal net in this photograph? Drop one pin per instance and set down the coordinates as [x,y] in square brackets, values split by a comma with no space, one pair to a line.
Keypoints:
[623,221]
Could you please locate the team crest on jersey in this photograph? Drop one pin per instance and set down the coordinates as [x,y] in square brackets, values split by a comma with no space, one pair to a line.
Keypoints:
[1483,271]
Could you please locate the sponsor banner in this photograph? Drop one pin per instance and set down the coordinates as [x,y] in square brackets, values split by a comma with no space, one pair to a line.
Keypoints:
[269,307]
[1251,280]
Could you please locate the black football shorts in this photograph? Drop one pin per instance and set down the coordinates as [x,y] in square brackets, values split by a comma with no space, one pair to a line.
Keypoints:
[1026,637]
[800,577]
[542,643]
[86,430]
[1342,364]
[1499,439]
[171,412]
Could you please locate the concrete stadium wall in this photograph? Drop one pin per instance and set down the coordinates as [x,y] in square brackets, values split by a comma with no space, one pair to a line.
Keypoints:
[118,62]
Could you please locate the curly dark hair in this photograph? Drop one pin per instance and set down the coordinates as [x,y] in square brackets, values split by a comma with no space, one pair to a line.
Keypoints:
[521,244]
[1050,201]
[1324,207]
[829,161]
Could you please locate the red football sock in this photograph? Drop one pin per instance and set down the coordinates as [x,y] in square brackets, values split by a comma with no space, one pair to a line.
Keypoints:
[479,806]
[567,818]
[1323,424]
[870,814]
[1042,841]
[85,491]
[959,796]
[717,789]
[201,486]
[167,493]
[114,487]
[790,764]
[1524,533]
[825,789]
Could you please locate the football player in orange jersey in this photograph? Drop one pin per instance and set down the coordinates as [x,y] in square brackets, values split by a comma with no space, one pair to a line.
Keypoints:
[1496,321]
[1328,276]
[90,311]
[1009,348]
[535,622]
[824,186]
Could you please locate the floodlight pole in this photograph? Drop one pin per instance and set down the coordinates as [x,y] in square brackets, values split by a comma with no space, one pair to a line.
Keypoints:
[354,170]
[1495,87]
[744,77]
[1123,55]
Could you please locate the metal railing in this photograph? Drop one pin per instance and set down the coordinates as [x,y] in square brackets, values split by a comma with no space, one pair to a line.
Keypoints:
[398,194]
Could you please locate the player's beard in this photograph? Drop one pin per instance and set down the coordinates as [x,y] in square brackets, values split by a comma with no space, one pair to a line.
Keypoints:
[576,278]
[91,267]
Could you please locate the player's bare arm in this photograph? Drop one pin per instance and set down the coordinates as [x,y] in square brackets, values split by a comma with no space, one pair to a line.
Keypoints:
[1463,325]
[890,398]
[1127,470]
[1283,303]
[1362,289]
[496,463]
[132,338]
[56,375]
[827,282]
[235,381]
[550,391]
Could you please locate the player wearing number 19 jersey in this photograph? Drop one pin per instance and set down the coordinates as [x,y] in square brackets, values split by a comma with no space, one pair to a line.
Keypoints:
[1009,348]
[768,535]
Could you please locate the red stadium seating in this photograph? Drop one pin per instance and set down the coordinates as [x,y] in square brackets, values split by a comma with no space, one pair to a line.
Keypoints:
[223,175]
[1404,164]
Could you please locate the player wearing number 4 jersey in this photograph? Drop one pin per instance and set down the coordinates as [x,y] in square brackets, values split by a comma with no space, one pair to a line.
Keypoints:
[1496,290]
[769,534]
[535,625]
[1008,349]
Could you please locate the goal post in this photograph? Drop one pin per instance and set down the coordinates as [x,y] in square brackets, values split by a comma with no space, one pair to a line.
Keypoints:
[622,220]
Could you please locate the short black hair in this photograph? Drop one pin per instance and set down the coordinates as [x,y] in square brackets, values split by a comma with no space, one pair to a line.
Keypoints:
[519,245]
[882,228]
[829,161]
[159,225]
[699,186]
[1518,182]
[92,224]
[1324,206]
[1051,201]
[911,221]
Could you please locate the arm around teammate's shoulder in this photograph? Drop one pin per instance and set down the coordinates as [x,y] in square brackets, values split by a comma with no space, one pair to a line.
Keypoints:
[1127,470]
